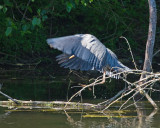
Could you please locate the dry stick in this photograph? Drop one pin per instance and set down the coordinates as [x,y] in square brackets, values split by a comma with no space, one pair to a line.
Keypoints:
[147,84]
[122,97]
[26,9]
[119,98]
[142,91]
[113,98]
[153,90]
[20,10]
[132,103]
[150,82]
[95,83]
[92,84]
[156,53]
[77,93]
[9,97]
[130,52]
[146,78]
[118,94]
[128,100]
[134,65]
[154,80]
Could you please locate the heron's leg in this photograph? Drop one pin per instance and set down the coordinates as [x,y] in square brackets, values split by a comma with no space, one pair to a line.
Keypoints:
[83,85]
[102,82]
[104,78]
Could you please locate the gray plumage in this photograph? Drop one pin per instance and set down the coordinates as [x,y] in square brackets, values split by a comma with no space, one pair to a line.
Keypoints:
[89,53]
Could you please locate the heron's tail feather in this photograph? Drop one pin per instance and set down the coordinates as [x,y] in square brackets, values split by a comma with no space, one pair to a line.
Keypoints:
[112,72]
[112,75]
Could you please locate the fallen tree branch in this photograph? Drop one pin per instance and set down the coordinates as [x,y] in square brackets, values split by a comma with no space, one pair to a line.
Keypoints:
[14,100]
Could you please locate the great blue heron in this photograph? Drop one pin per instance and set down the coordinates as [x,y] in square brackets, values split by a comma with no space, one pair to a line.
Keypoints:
[86,52]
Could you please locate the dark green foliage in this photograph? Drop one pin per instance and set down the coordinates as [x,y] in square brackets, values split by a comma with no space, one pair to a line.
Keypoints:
[25,25]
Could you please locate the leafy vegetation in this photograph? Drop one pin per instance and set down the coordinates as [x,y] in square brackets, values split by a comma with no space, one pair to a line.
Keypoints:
[25,26]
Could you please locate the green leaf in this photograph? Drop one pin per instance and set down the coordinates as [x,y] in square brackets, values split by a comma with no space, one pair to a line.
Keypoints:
[36,21]
[8,22]
[25,27]
[69,6]
[39,11]
[77,2]
[44,17]
[4,9]
[90,1]
[29,9]
[8,31]
[25,32]
[43,12]
[8,3]
[84,2]
[1,7]
[32,0]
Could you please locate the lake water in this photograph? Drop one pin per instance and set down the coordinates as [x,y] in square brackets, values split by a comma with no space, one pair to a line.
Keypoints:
[52,89]
[36,118]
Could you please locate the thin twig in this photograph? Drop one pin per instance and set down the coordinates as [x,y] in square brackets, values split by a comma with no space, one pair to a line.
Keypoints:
[9,97]
[26,9]
[130,52]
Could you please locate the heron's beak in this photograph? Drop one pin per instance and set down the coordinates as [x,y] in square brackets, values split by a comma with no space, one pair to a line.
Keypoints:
[71,57]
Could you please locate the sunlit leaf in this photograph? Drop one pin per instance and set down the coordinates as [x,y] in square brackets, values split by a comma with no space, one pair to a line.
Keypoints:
[90,1]
[1,7]
[84,2]
[8,31]
[69,6]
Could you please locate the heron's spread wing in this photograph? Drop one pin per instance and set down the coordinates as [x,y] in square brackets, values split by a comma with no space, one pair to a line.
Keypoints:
[89,53]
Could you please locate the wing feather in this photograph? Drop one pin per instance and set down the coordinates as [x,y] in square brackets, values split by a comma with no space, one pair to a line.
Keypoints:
[89,52]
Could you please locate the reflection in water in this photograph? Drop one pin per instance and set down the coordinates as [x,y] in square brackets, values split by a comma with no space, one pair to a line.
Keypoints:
[144,120]
[18,118]
[141,121]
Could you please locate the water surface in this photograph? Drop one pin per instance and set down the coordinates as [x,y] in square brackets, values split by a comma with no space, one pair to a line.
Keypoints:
[34,88]
[47,119]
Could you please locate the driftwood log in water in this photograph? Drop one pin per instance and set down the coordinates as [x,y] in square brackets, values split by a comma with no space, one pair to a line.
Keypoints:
[57,105]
